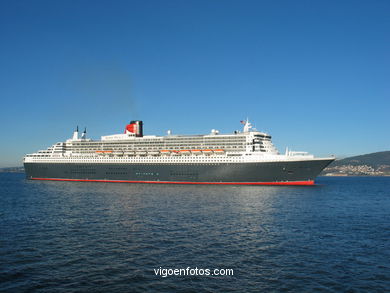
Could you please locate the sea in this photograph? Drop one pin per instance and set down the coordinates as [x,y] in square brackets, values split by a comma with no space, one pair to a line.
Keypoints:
[119,237]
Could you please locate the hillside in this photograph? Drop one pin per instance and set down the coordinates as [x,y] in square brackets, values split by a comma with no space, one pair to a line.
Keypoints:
[374,164]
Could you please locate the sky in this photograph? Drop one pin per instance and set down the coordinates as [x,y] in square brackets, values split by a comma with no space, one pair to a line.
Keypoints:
[313,74]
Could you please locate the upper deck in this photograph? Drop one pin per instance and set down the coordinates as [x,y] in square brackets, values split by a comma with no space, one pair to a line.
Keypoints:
[247,145]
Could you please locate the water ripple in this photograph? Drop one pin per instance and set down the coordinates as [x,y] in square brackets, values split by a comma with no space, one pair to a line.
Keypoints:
[81,237]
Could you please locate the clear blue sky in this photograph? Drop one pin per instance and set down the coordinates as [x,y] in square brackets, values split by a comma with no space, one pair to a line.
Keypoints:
[314,74]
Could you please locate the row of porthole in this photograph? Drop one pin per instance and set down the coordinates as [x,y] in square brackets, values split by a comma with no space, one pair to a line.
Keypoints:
[154,160]
[163,161]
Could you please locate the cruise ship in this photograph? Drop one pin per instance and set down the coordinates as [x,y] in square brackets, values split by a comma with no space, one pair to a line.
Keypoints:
[241,157]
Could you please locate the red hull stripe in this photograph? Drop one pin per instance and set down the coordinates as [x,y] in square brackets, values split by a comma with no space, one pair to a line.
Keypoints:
[310,182]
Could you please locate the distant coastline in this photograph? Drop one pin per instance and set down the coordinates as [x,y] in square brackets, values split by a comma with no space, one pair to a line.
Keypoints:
[12,170]
[374,164]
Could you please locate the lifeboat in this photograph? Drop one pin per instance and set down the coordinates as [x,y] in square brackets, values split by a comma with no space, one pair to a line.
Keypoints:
[118,153]
[207,152]
[219,151]
[176,153]
[154,153]
[129,153]
[102,153]
[185,152]
[165,152]
[196,152]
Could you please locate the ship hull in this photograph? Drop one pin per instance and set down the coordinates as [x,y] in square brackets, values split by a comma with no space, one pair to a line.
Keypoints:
[278,173]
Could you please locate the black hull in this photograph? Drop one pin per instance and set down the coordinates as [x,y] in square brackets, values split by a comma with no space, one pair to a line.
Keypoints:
[298,172]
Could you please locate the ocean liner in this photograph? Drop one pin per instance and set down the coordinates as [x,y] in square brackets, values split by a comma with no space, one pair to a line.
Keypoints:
[242,157]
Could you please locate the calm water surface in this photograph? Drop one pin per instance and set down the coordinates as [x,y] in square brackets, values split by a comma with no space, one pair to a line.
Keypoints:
[105,237]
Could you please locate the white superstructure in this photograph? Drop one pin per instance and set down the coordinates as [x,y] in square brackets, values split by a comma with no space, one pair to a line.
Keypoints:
[249,145]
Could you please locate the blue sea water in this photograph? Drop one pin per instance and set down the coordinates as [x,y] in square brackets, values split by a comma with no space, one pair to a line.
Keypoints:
[110,237]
